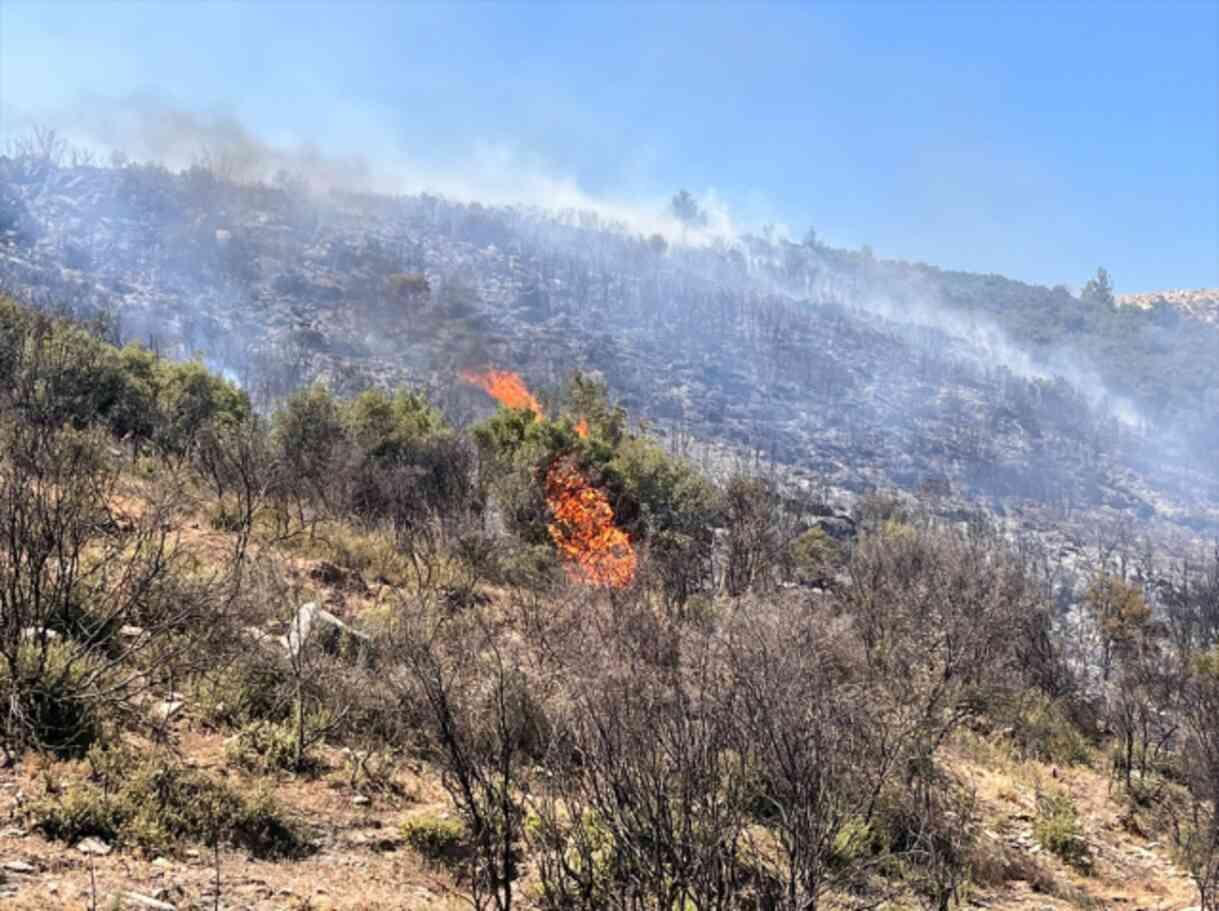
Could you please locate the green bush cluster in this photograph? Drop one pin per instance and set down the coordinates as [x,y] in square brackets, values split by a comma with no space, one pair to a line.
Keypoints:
[264,747]
[1041,730]
[47,695]
[379,457]
[440,840]
[656,497]
[1058,830]
[248,690]
[152,803]
[56,373]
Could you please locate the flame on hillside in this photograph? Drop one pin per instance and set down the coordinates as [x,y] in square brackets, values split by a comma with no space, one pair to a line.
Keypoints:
[600,553]
[505,387]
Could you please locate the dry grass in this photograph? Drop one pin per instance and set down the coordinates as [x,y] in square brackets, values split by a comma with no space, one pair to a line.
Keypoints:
[362,861]
[1128,870]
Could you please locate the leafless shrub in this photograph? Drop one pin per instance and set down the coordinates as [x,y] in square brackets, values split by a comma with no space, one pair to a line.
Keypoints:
[93,598]
[645,807]
[484,727]
[237,460]
[1198,834]
[936,614]
[820,748]
[758,535]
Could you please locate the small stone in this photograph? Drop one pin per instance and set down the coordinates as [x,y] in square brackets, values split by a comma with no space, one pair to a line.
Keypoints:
[360,800]
[32,632]
[19,866]
[161,862]
[94,846]
[147,901]
[163,711]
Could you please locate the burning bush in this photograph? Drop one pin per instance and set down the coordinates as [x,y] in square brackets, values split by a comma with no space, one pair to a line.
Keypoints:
[583,529]
[506,388]
[582,524]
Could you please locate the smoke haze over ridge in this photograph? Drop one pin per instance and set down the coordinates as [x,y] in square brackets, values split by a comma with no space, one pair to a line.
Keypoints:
[145,128]
[979,140]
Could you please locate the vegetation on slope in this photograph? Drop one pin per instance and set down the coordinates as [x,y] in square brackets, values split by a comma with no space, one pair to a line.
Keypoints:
[763,718]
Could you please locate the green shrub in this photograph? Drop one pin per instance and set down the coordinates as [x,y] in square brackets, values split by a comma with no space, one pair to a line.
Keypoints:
[309,435]
[854,840]
[1057,829]
[225,517]
[520,565]
[252,688]
[813,553]
[387,427]
[264,747]
[438,839]
[49,698]
[190,399]
[152,803]
[1042,730]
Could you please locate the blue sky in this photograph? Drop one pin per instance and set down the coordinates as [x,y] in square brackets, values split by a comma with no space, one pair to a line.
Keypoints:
[1037,140]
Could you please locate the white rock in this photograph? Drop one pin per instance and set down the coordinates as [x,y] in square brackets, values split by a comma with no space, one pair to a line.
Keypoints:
[163,711]
[94,846]
[147,901]
[32,632]
[310,621]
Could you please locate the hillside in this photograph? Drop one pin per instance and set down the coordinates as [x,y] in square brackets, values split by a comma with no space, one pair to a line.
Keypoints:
[845,372]
[347,655]
[367,552]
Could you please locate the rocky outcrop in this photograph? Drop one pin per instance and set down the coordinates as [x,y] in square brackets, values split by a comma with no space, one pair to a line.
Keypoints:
[313,625]
[1201,304]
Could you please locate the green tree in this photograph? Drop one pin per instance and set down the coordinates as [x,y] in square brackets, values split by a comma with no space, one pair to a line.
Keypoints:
[1099,289]
[190,398]
[685,208]
[1121,613]
[310,436]
[587,398]
[386,427]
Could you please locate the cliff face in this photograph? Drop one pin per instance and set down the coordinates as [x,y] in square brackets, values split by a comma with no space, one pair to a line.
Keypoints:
[845,373]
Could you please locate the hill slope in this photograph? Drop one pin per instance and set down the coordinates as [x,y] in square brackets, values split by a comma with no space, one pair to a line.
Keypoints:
[843,371]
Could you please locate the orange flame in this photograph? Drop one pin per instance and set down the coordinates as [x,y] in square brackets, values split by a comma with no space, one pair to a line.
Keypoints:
[584,531]
[600,553]
[505,387]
